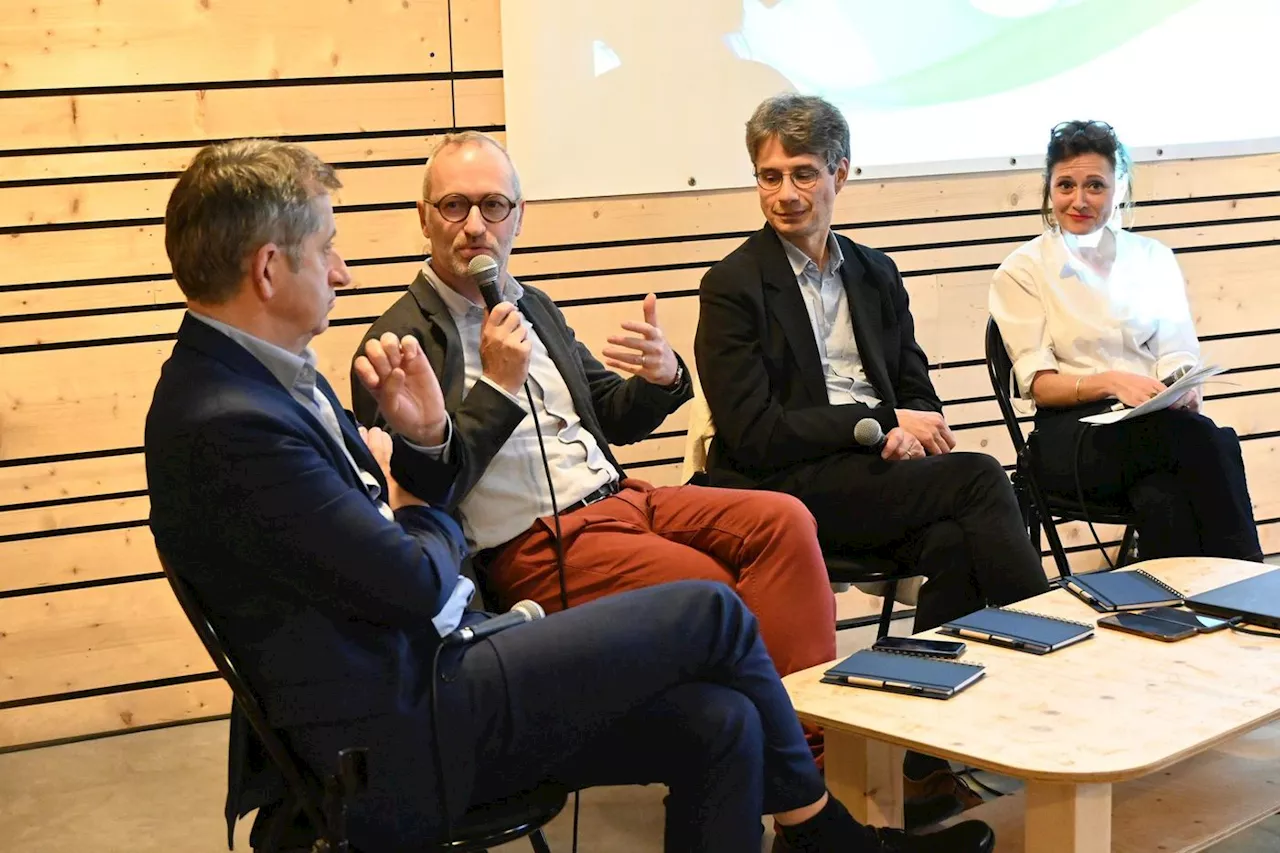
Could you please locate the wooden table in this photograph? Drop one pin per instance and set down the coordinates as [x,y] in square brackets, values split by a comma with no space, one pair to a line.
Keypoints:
[1124,743]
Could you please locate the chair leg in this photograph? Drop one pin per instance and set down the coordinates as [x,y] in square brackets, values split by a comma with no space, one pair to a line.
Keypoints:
[1126,546]
[886,611]
[539,842]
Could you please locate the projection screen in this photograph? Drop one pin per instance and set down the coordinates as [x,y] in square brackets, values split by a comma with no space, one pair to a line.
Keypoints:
[607,98]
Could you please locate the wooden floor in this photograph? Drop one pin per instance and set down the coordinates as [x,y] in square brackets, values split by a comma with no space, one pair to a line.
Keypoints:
[161,791]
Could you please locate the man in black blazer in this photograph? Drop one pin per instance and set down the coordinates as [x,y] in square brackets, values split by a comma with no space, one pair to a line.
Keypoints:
[335,589]
[803,333]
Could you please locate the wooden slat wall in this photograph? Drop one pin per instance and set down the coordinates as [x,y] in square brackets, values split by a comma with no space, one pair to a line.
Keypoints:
[102,103]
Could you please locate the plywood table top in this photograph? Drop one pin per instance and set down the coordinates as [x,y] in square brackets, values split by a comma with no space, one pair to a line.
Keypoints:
[1105,710]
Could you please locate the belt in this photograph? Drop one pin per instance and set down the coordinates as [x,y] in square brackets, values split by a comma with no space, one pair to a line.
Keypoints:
[608,490]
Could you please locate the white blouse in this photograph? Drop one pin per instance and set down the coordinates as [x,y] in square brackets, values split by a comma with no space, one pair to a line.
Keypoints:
[1082,305]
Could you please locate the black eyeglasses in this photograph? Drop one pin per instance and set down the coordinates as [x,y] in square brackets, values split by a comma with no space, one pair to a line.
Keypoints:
[456,207]
[804,178]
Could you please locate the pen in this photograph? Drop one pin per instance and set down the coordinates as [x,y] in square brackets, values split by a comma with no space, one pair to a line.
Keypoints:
[875,682]
[1083,594]
[995,638]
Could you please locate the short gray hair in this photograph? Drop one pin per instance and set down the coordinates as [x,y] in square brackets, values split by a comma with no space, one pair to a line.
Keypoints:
[803,124]
[232,199]
[464,138]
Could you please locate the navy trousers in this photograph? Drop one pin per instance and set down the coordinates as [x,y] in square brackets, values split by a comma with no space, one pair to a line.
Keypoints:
[669,684]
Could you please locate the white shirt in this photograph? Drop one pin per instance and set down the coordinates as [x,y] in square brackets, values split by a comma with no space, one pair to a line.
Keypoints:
[1083,305]
[512,493]
[828,305]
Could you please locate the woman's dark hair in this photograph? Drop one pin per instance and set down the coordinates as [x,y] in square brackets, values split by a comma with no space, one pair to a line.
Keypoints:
[1073,138]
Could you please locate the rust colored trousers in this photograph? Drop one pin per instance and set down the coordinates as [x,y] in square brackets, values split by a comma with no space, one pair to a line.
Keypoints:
[763,544]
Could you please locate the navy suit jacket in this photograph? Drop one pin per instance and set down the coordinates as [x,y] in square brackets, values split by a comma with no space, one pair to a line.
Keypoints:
[325,603]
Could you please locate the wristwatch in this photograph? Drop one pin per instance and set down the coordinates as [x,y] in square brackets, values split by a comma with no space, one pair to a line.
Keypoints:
[676,383]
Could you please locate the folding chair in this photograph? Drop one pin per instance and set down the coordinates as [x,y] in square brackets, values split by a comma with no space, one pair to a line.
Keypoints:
[324,805]
[1039,508]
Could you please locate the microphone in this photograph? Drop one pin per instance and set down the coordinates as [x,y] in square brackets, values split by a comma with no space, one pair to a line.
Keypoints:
[522,612]
[484,272]
[867,432]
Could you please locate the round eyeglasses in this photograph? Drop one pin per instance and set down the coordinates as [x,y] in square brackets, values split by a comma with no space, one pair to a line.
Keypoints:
[804,178]
[456,207]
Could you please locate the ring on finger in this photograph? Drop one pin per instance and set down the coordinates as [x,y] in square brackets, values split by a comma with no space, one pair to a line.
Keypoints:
[642,358]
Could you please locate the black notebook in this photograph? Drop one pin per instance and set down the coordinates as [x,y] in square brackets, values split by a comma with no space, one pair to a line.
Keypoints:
[896,672]
[1134,589]
[1255,599]
[1017,629]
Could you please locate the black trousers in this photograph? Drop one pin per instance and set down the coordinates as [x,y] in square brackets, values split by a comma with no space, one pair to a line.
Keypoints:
[669,684]
[954,517]
[1182,473]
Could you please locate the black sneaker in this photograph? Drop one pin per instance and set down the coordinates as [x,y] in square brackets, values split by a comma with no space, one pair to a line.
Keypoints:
[972,836]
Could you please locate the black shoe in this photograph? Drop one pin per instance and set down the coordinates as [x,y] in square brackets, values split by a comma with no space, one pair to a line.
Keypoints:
[972,836]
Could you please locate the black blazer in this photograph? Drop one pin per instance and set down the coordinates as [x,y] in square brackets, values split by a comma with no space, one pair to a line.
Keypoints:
[614,410]
[759,367]
[325,603]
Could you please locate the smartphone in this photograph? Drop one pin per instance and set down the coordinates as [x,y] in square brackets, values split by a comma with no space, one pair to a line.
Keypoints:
[915,645]
[1147,626]
[1203,624]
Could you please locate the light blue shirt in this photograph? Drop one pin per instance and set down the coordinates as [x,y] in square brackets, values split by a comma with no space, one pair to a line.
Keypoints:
[297,373]
[828,306]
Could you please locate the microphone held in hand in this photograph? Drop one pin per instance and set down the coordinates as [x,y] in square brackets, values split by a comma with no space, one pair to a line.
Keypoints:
[522,612]
[867,432]
[484,272]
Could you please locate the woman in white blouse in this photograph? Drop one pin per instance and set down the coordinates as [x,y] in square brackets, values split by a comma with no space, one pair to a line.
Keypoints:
[1092,314]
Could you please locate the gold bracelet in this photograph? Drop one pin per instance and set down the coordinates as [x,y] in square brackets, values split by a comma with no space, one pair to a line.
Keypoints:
[1078,381]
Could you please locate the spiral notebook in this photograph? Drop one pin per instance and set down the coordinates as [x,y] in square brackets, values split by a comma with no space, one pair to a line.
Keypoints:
[900,672]
[1018,629]
[1133,589]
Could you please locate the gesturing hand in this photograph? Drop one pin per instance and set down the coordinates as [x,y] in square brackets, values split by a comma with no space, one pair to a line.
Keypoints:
[649,356]
[379,444]
[398,375]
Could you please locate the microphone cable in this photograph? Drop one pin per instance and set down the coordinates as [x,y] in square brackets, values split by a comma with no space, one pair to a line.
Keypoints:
[446,815]
[559,547]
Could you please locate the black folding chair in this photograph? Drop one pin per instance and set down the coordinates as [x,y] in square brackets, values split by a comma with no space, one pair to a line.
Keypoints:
[1039,508]
[865,569]
[324,805]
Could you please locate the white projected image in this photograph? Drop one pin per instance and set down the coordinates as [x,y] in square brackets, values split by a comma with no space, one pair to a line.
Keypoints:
[609,98]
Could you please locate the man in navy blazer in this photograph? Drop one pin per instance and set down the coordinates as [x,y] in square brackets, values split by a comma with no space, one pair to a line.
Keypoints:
[333,587]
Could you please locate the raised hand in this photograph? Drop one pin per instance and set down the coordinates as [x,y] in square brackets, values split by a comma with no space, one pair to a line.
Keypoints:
[398,375]
[645,354]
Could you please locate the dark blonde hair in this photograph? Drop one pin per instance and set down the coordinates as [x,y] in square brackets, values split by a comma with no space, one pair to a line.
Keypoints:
[233,198]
